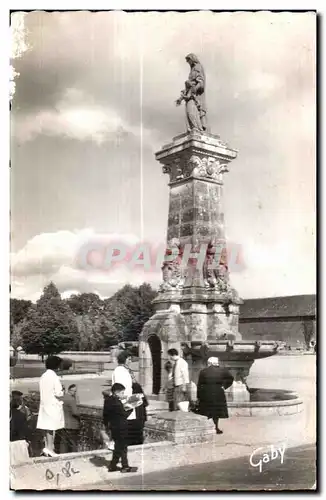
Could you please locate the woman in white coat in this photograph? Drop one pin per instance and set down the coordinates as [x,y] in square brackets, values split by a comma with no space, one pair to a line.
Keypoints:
[122,375]
[50,416]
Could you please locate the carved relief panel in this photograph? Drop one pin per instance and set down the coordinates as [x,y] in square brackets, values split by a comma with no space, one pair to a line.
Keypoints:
[195,166]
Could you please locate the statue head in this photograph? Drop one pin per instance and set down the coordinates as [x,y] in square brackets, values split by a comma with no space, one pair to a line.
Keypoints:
[192,59]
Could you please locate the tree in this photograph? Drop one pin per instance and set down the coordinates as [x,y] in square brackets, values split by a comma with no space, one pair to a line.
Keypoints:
[50,327]
[16,335]
[86,336]
[96,333]
[308,331]
[129,309]
[107,332]
[85,303]
[143,310]
[18,311]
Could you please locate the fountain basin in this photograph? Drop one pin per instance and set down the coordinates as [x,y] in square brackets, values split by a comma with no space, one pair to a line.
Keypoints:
[236,350]
[267,402]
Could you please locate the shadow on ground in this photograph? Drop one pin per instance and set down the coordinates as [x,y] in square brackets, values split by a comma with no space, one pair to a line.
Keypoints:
[298,472]
[100,461]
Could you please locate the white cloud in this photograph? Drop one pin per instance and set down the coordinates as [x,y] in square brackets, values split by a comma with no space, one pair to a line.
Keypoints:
[261,98]
[59,257]
[76,116]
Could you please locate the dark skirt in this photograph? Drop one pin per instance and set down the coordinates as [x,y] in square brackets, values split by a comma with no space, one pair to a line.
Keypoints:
[135,432]
[136,426]
[213,403]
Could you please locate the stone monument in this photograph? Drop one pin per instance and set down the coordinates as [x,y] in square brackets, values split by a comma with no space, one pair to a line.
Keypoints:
[196,309]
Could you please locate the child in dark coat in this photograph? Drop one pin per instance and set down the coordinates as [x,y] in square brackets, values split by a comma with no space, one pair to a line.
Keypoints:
[115,418]
[20,416]
[169,385]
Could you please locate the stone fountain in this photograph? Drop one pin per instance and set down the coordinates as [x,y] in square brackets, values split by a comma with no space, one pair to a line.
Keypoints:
[197,309]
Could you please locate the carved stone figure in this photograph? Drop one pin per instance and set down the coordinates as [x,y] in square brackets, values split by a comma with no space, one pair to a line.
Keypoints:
[216,274]
[171,269]
[194,95]
[209,270]
[207,167]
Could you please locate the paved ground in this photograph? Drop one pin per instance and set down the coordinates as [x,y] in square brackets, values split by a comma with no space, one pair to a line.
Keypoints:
[223,463]
[296,373]
[298,471]
[89,390]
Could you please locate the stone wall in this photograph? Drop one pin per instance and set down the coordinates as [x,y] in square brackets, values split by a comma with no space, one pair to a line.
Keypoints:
[290,332]
[91,425]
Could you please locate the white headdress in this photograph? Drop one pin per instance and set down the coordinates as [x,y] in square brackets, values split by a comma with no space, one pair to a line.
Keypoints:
[213,361]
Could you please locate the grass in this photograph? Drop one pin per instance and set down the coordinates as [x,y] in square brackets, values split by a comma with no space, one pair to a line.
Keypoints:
[31,369]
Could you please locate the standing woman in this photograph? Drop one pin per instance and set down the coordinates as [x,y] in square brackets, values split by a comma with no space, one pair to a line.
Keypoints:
[212,382]
[50,416]
[136,426]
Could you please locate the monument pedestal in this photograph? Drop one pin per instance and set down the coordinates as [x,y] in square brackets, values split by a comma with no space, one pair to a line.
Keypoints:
[180,427]
[197,309]
[196,302]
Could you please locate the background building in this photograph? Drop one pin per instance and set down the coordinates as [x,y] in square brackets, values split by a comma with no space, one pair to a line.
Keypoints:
[289,319]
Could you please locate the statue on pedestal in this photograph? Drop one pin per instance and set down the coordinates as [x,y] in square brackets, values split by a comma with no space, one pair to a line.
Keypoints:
[194,95]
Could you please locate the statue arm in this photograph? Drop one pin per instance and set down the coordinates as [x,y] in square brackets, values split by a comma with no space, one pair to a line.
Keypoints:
[181,98]
[200,84]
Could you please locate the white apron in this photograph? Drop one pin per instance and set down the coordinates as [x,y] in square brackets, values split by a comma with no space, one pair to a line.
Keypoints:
[122,376]
[50,416]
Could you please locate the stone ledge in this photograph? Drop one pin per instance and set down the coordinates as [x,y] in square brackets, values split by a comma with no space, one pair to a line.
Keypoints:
[180,427]
[207,143]
[279,408]
[97,453]
[266,404]
[93,469]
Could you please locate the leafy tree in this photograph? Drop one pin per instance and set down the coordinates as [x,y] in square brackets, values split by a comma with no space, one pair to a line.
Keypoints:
[143,310]
[85,303]
[85,327]
[18,311]
[15,334]
[85,321]
[96,332]
[50,327]
[308,331]
[107,332]
[129,309]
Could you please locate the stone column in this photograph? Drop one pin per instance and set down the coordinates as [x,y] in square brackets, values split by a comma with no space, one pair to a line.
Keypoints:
[145,367]
[190,304]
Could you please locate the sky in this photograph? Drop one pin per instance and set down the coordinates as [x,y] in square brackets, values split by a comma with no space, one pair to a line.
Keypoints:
[94,101]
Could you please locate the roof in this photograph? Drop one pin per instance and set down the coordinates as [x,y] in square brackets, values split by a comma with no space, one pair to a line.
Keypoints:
[278,307]
[290,332]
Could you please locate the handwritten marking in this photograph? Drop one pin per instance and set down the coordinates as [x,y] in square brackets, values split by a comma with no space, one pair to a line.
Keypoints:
[67,471]
[267,457]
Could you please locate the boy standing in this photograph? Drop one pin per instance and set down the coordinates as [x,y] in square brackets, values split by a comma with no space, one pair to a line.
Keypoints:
[115,416]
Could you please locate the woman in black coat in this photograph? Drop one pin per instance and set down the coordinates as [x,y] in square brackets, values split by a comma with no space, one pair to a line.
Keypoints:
[136,426]
[212,382]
